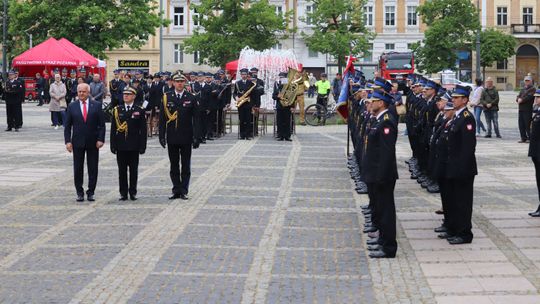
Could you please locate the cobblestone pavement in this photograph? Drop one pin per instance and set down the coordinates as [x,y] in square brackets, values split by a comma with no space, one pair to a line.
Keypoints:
[267,222]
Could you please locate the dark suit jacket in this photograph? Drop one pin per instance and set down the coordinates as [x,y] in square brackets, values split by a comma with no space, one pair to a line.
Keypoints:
[379,161]
[534,146]
[135,139]
[186,128]
[85,134]
[462,147]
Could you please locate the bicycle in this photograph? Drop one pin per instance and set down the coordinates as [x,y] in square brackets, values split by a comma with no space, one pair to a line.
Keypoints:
[317,114]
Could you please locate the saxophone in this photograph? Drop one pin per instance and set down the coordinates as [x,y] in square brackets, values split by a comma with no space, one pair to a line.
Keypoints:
[245,98]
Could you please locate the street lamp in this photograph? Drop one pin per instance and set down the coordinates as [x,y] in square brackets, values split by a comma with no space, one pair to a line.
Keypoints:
[30,36]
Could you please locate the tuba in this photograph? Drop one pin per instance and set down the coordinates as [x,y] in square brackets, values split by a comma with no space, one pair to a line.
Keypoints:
[287,96]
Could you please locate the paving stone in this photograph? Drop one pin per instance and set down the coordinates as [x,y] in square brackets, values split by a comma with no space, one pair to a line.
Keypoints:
[19,235]
[121,216]
[67,259]
[219,236]
[319,262]
[242,201]
[29,217]
[205,260]
[232,217]
[320,239]
[189,289]
[105,234]
[322,220]
[34,288]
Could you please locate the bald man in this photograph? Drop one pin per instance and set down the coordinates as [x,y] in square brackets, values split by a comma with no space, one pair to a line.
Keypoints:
[84,135]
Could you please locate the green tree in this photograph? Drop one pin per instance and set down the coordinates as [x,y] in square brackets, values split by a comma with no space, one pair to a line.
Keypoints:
[227,26]
[495,46]
[338,29]
[451,26]
[95,25]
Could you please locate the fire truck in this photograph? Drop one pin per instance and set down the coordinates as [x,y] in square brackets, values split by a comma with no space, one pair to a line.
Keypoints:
[394,65]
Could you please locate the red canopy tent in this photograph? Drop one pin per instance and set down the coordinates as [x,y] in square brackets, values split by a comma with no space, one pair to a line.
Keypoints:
[52,54]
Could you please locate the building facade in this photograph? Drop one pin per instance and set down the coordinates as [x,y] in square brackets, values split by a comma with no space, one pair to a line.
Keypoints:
[521,19]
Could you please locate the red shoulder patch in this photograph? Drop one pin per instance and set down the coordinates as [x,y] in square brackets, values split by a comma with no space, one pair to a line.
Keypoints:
[469,127]
[386,131]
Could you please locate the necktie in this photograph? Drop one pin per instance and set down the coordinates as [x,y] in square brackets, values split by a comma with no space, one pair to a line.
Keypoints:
[84,113]
[128,108]
[178,96]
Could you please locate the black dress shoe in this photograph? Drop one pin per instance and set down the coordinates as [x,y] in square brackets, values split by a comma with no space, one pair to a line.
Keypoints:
[366,211]
[90,197]
[364,207]
[445,235]
[440,229]
[209,138]
[536,213]
[374,241]
[370,229]
[440,211]
[16,129]
[183,196]
[288,139]
[8,129]
[123,198]
[375,247]
[458,240]
[414,175]
[133,197]
[80,198]
[281,139]
[380,255]
[174,196]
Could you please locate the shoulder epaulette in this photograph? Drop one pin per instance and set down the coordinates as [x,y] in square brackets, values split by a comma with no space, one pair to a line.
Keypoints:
[466,113]
[386,116]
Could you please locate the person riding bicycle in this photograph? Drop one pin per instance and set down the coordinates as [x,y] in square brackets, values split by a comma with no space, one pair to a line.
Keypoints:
[323,90]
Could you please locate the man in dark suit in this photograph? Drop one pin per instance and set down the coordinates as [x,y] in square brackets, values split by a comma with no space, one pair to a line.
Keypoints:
[155,92]
[114,88]
[379,172]
[128,140]
[179,129]
[14,89]
[86,119]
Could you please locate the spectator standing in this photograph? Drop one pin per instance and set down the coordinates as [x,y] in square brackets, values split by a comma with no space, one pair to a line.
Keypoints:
[97,89]
[58,104]
[336,86]
[40,85]
[312,81]
[525,103]
[477,106]
[490,103]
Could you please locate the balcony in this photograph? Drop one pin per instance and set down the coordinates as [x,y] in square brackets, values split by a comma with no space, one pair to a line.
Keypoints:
[526,30]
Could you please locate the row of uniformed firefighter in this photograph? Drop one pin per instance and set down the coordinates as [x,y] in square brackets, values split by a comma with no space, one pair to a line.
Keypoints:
[441,133]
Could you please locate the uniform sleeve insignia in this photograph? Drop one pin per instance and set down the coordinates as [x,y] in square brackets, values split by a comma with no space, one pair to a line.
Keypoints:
[386,117]
[466,114]
[386,131]
[469,126]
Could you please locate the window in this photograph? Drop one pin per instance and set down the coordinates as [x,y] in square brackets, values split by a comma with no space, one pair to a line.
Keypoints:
[389,46]
[390,15]
[309,10]
[412,18]
[527,15]
[195,17]
[502,15]
[368,15]
[501,79]
[196,57]
[279,10]
[178,53]
[178,19]
[278,46]
[313,54]
[502,65]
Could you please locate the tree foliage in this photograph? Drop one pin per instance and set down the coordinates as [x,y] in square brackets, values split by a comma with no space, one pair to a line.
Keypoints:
[95,25]
[338,29]
[495,46]
[451,26]
[227,26]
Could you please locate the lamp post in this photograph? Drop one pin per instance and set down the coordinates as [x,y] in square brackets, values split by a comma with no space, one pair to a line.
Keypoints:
[161,35]
[478,75]
[4,40]
[29,36]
